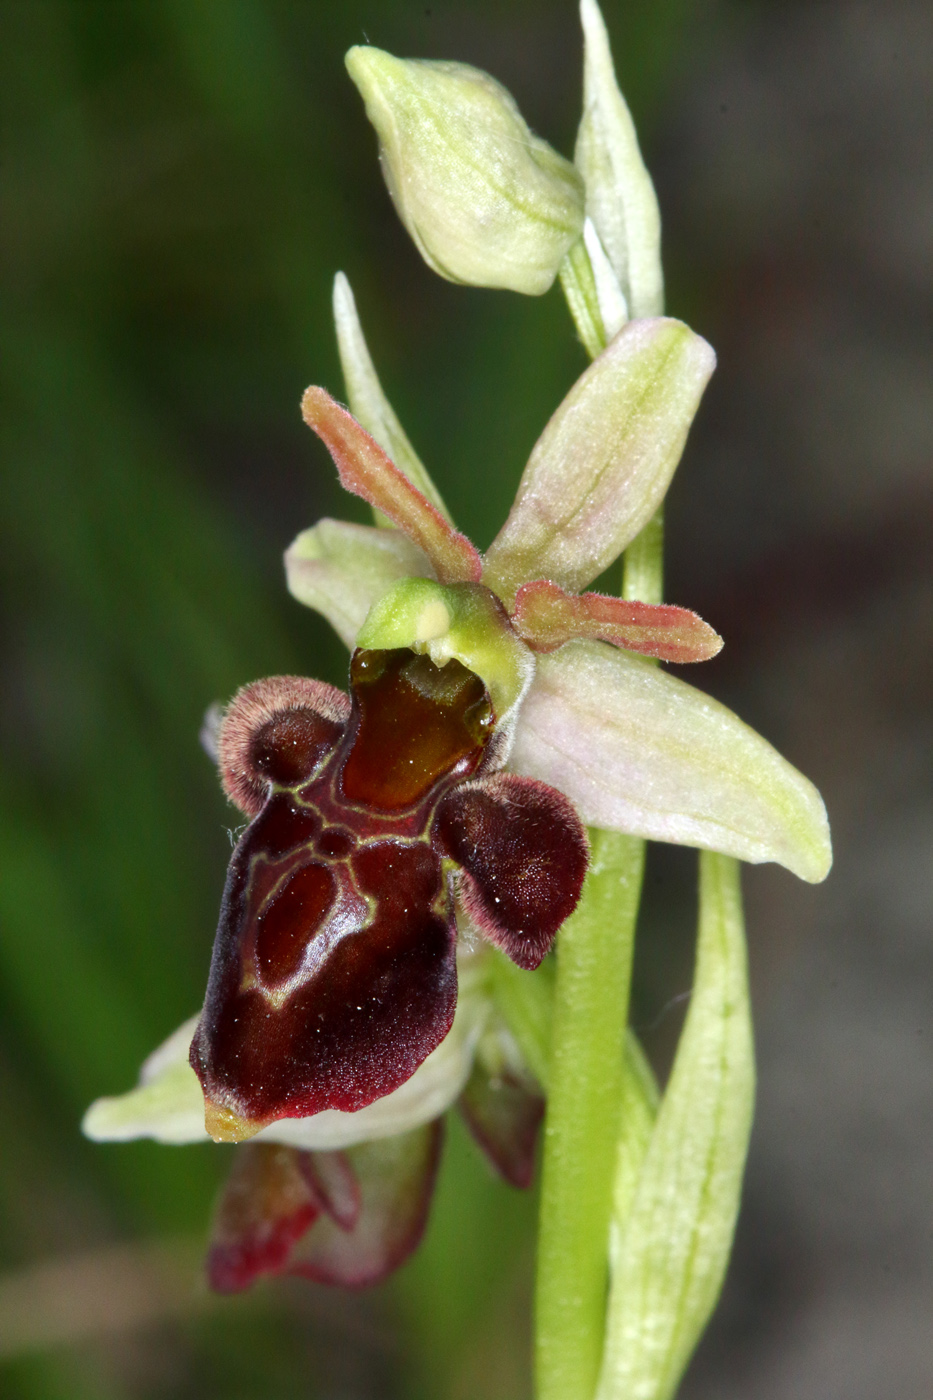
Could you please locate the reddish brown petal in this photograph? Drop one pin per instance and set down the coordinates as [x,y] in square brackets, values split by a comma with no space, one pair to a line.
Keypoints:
[277,731]
[524,854]
[396,1178]
[334,1183]
[503,1112]
[329,1001]
[267,1204]
[546,617]
[365,470]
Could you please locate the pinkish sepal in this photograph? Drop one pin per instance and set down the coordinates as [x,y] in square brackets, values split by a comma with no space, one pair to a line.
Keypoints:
[638,750]
[600,469]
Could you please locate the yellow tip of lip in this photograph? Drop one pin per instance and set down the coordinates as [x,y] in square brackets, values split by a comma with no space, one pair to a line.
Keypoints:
[224,1125]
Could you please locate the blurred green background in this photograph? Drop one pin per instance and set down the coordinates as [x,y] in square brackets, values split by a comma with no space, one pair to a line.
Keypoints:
[180,180]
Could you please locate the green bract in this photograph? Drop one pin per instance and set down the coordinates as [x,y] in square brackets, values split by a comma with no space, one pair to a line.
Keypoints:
[678,1181]
[486,201]
[620,197]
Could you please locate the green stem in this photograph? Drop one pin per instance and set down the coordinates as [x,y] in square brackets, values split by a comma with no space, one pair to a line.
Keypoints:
[653,1197]
[594,960]
[579,287]
[643,563]
[589,1068]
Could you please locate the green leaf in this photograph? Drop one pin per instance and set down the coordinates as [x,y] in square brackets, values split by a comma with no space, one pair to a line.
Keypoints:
[672,1246]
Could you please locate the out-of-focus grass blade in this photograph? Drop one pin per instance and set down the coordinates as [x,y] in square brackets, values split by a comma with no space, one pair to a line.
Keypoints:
[672,1249]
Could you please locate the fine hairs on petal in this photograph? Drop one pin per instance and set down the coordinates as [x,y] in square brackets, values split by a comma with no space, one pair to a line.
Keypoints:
[546,617]
[523,851]
[305,715]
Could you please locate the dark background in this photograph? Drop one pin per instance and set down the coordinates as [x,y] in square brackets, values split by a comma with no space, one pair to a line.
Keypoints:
[180,179]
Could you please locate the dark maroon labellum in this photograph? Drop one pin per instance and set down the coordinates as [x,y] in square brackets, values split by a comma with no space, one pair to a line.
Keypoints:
[333,974]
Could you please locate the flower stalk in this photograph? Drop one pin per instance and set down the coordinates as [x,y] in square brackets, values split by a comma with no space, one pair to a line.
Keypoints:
[599,1112]
[600,1120]
[583,1119]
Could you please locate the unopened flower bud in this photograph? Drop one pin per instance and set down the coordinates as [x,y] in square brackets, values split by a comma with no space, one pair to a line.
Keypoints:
[486,202]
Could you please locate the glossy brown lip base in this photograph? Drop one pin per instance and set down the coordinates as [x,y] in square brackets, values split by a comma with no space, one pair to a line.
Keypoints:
[333,974]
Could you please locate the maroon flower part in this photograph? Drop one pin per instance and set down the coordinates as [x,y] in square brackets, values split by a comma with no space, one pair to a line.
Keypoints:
[334,975]
[503,1108]
[524,855]
[345,1218]
[349,1218]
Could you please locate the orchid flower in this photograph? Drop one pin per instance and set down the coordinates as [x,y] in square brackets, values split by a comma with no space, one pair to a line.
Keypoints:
[496,706]
[412,839]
